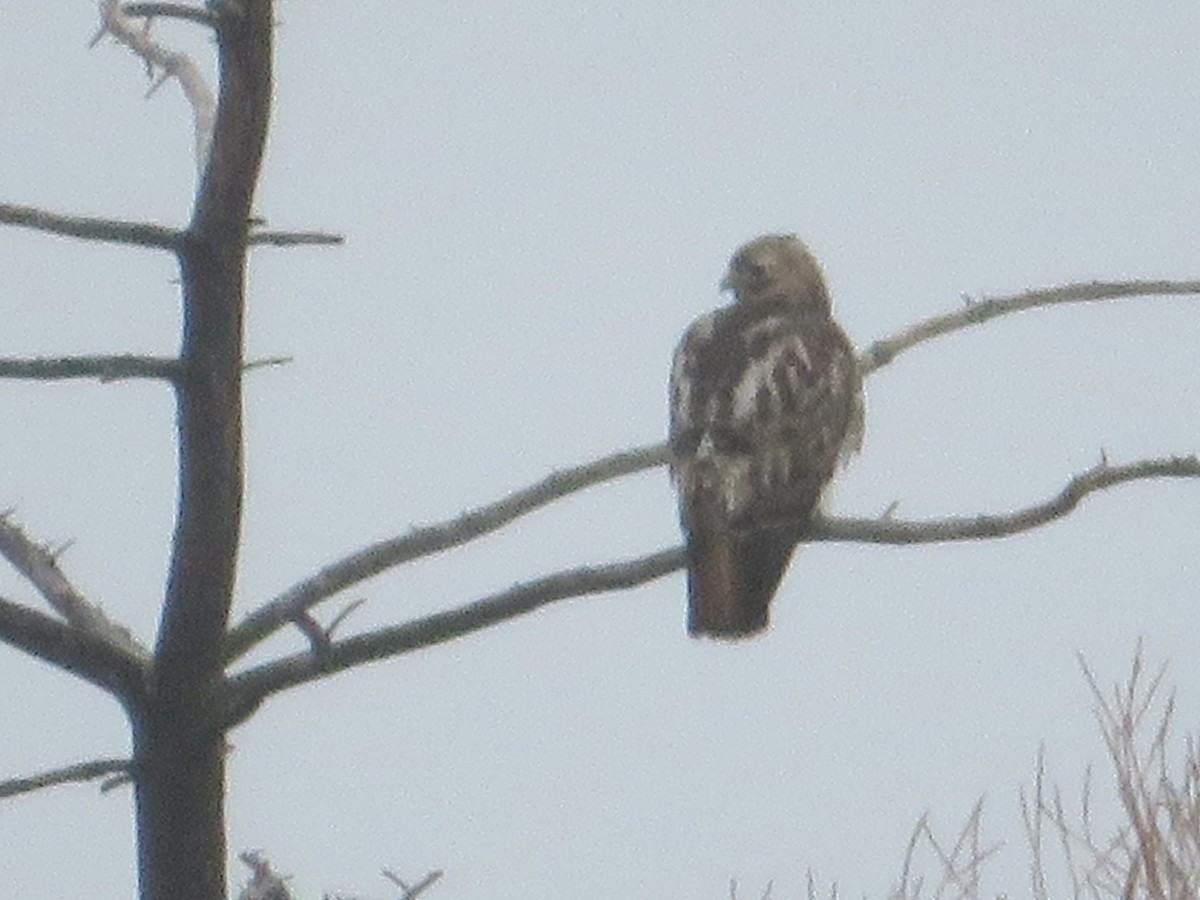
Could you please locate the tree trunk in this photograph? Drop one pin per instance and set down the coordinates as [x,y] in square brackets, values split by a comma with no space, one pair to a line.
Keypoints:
[180,801]
[178,750]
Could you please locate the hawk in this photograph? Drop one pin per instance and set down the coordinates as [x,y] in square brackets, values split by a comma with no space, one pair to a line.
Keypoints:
[766,403]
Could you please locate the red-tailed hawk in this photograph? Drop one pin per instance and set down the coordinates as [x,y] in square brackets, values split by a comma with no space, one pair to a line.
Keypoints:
[766,402]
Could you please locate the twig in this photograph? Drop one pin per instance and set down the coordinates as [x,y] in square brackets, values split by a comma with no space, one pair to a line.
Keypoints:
[246,689]
[251,686]
[320,638]
[294,238]
[170,11]
[114,21]
[88,771]
[343,615]
[919,830]
[1033,816]
[963,528]
[316,635]
[883,351]
[113,231]
[104,368]
[111,368]
[269,362]
[116,781]
[41,569]
[411,892]
[379,557]
[961,865]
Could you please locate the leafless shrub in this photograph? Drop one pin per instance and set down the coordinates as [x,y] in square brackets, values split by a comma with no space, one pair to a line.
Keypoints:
[1155,853]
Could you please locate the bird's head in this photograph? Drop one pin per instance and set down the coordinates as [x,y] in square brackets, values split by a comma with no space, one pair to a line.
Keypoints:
[776,267]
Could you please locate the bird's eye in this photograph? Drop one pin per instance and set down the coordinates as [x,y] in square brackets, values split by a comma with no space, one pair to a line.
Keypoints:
[754,270]
[748,268]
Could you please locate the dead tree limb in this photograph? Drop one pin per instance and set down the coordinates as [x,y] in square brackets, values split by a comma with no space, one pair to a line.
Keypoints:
[40,568]
[383,555]
[87,771]
[90,228]
[248,689]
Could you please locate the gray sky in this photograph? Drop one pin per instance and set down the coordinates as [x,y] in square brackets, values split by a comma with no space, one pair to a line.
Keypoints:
[537,199]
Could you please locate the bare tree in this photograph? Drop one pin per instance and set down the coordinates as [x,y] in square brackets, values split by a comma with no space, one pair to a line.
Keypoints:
[179,699]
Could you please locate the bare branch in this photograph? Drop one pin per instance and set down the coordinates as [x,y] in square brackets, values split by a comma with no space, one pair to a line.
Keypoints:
[883,351]
[144,234]
[269,362]
[91,657]
[88,771]
[343,615]
[961,865]
[169,11]
[295,238]
[111,368]
[114,21]
[104,368]
[384,555]
[379,557]
[411,892]
[919,831]
[320,638]
[41,568]
[964,528]
[113,231]
[249,688]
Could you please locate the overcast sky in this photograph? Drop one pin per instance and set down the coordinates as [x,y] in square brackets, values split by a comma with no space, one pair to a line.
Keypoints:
[537,198]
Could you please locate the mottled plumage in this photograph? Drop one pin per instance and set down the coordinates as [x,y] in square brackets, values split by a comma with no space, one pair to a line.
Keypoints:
[765,403]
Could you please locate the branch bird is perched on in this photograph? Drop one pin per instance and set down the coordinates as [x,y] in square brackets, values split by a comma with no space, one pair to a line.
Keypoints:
[766,402]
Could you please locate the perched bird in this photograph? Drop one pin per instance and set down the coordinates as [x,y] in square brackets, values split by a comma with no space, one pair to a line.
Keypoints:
[766,403]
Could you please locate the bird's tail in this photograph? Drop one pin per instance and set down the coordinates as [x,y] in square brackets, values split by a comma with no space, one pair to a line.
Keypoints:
[731,580]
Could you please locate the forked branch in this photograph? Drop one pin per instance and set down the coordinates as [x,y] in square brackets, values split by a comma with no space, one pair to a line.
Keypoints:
[90,656]
[166,64]
[40,567]
[170,11]
[976,312]
[248,689]
[104,368]
[412,891]
[251,687]
[384,555]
